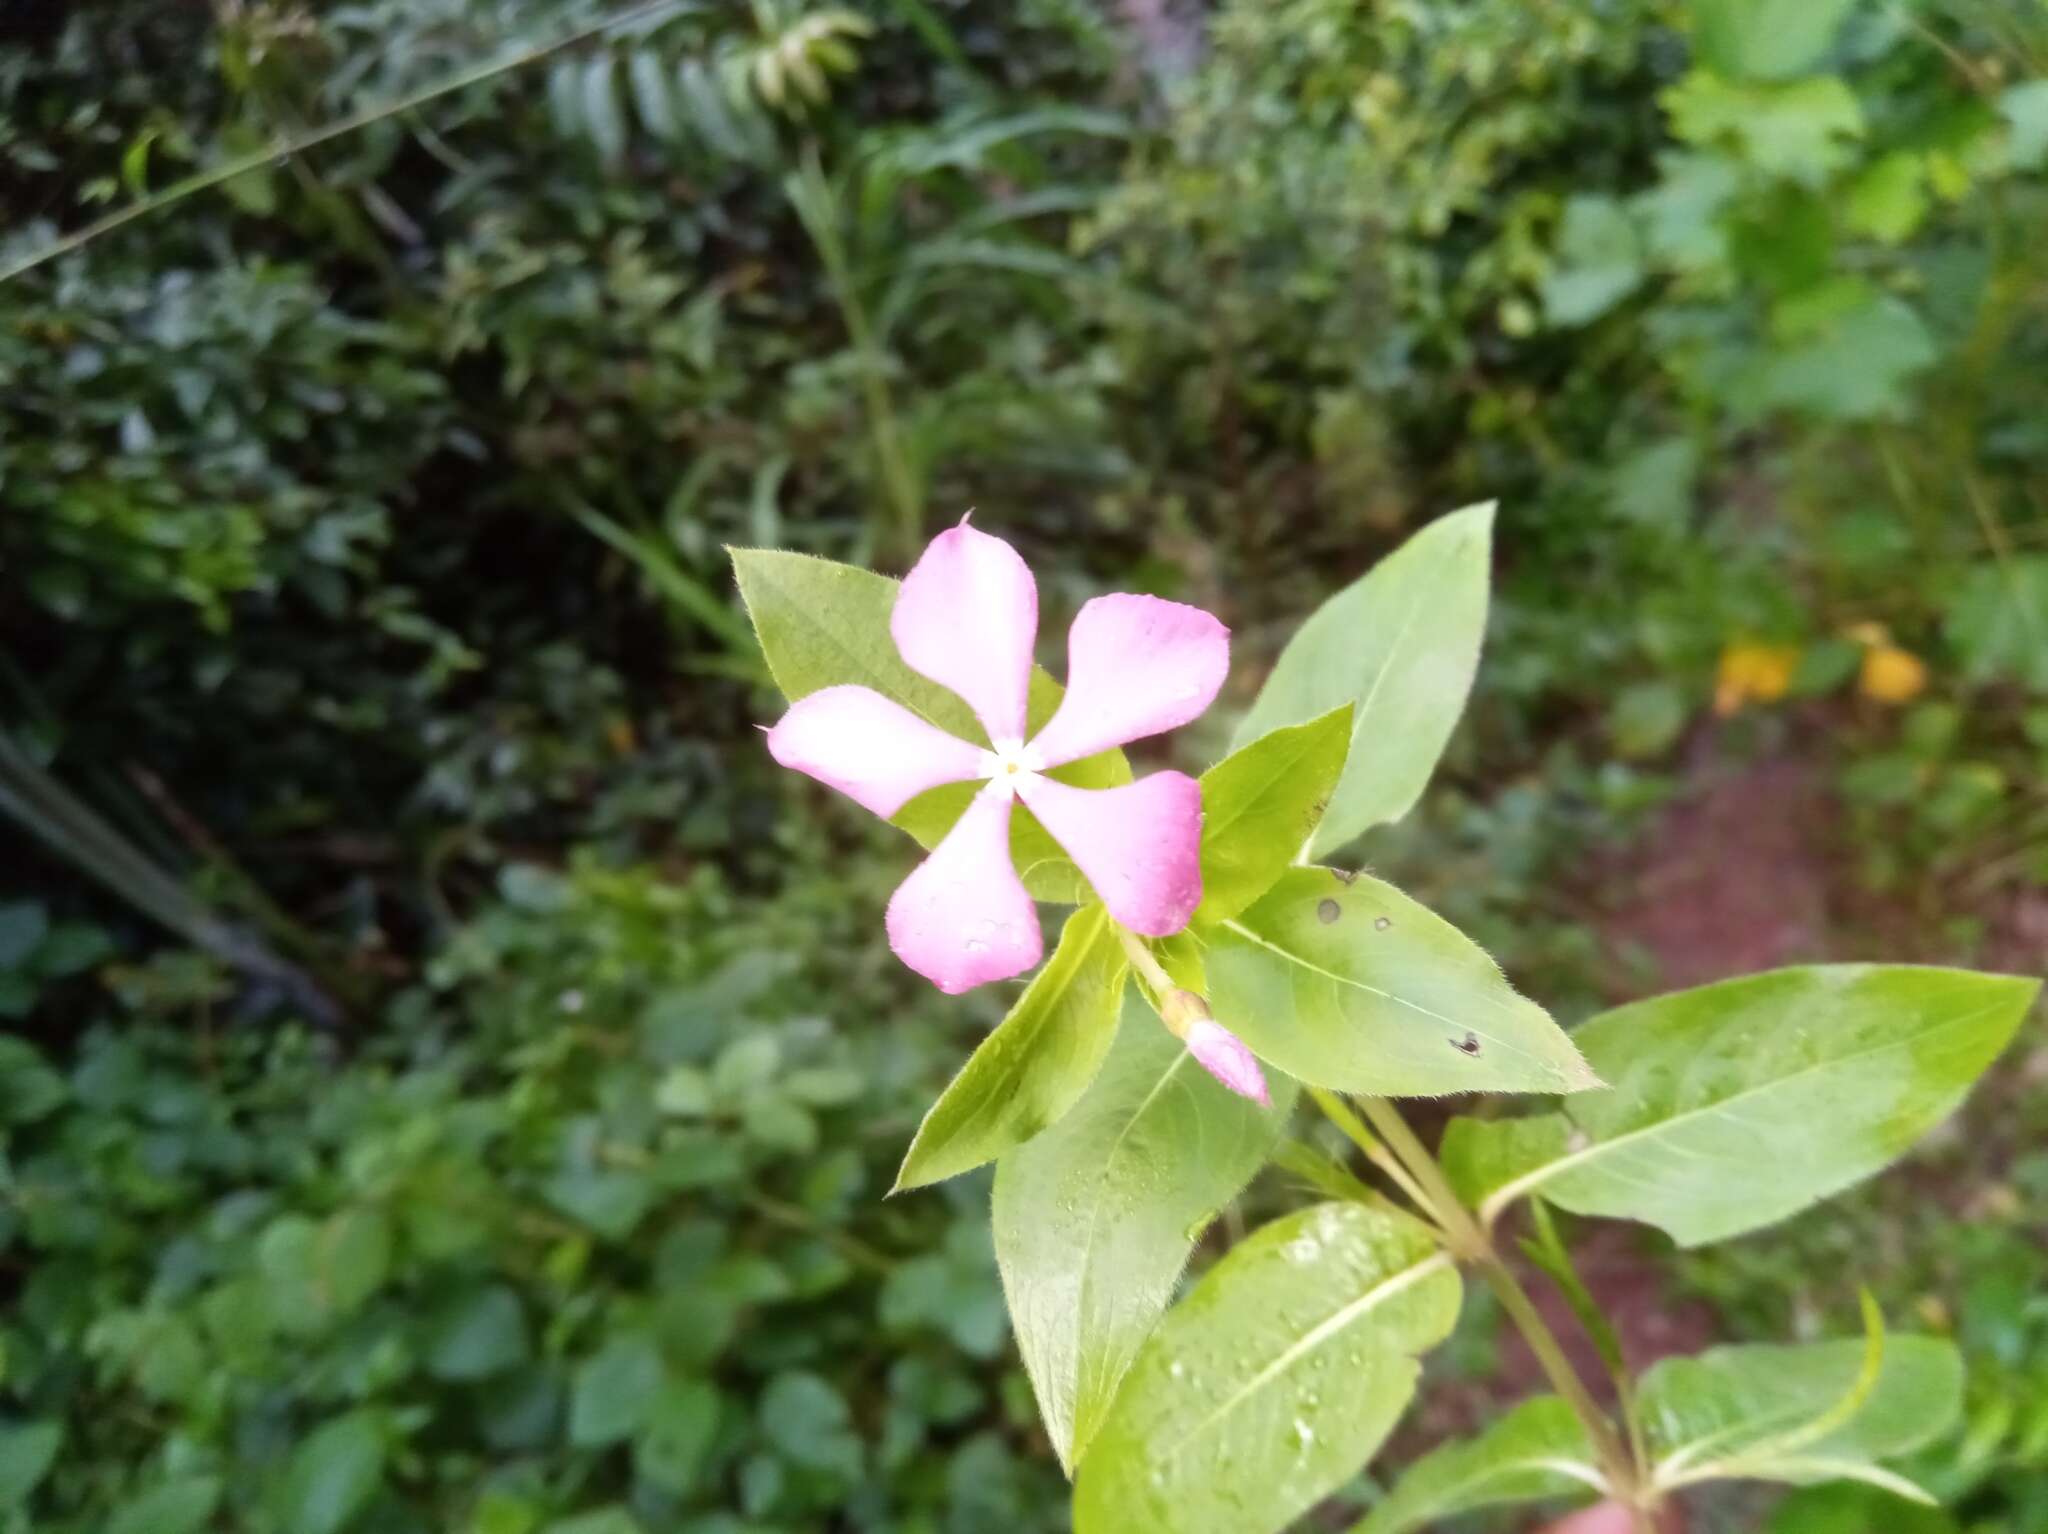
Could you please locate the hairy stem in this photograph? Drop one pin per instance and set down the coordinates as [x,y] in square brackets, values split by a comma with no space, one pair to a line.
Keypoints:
[1355,1131]
[1145,962]
[1471,1242]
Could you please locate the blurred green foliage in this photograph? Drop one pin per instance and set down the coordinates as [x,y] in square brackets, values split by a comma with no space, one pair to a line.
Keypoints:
[590,1234]
[363,548]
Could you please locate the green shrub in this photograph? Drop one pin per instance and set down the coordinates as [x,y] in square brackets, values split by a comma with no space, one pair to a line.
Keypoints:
[589,1235]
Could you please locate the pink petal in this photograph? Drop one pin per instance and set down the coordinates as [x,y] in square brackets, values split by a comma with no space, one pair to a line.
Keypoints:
[962,918]
[967,617]
[877,753]
[1135,666]
[1224,1055]
[1140,845]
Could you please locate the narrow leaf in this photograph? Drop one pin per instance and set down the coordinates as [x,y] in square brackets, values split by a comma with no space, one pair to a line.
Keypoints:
[1260,806]
[1037,1062]
[1094,1219]
[1274,1380]
[823,624]
[1401,644]
[1345,982]
[1743,1412]
[1536,1452]
[653,101]
[1737,1104]
[604,119]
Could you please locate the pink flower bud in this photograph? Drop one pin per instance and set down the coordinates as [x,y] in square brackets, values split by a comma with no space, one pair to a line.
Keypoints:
[1223,1055]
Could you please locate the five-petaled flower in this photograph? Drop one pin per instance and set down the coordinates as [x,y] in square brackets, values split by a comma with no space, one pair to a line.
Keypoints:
[967,618]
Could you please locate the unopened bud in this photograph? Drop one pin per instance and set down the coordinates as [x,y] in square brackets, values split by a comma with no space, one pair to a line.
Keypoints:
[1216,1049]
[1226,1057]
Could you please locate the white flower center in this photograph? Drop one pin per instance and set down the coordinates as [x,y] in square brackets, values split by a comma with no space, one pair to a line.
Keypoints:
[1011,764]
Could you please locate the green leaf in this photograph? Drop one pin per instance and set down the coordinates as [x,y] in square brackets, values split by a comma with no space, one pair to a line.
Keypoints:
[176,1507]
[1800,131]
[477,1335]
[1031,1069]
[1599,261]
[1889,200]
[1647,718]
[29,1089]
[1270,1384]
[1536,1452]
[1682,214]
[1998,622]
[355,1256]
[614,1390]
[605,1520]
[1260,806]
[823,624]
[316,1272]
[1844,1507]
[1737,1104]
[2025,109]
[604,119]
[1854,364]
[1095,1218]
[809,1424]
[653,100]
[1401,645]
[22,925]
[1345,982]
[27,1450]
[332,1476]
[1765,39]
[1738,1412]
[678,1431]
[610,1200]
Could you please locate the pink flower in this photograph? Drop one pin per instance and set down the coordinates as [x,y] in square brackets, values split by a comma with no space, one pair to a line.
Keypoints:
[967,618]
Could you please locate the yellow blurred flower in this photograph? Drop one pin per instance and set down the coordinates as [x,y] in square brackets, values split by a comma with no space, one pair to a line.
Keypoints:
[1753,673]
[1892,675]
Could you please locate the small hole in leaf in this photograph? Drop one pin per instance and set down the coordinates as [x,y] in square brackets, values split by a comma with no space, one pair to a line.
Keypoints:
[1467,1045]
[1381,923]
[1328,911]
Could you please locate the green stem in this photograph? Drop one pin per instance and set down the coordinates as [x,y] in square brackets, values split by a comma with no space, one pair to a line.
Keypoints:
[1472,1243]
[1356,1132]
[256,159]
[1149,969]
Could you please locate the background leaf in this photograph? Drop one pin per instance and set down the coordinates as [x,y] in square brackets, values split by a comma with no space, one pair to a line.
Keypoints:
[1344,981]
[176,1507]
[1274,1380]
[1401,645]
[333,1474]
[1260,806]
[1027,1073]
[1095,1218]
[26,1452]
[1734,1105]
[1765,39]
